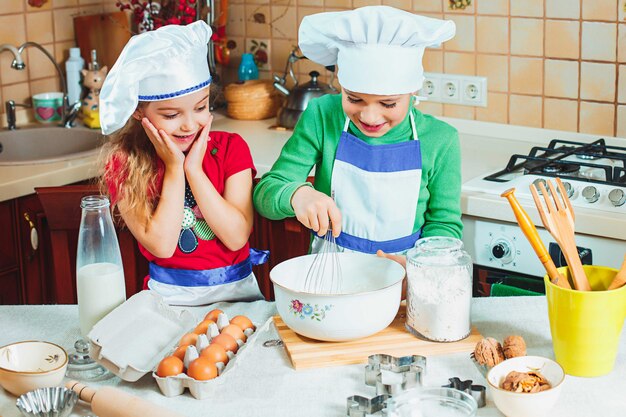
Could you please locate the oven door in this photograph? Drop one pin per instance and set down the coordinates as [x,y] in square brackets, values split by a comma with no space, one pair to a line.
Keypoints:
[502,254]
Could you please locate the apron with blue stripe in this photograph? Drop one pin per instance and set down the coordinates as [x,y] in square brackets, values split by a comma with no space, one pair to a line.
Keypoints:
[376,187]
[196,287]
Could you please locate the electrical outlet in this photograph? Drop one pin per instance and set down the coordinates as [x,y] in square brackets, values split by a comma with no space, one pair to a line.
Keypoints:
[260,50]
[474,91]
[431,88]
[450,89]
[455,89]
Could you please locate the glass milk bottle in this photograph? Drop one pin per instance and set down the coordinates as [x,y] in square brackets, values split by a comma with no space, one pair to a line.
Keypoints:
[99,272]
[439,289]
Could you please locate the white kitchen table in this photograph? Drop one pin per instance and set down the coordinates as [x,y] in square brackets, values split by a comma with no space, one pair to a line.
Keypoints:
[264,384]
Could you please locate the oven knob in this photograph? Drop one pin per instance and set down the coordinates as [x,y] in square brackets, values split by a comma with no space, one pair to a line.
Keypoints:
[617,197]
[568,189]
[540,181]
[591,194]
[501,250]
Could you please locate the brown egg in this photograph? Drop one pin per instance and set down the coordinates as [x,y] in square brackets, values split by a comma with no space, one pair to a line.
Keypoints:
[242,322]
[213,315]
[202,369]
[188,339]
[215,353]
[203,327]
[235,332]
[180,352]
[226,341]
[170,366]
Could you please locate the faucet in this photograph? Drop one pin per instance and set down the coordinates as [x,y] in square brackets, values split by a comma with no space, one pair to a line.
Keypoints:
[70,111]
[10,106]
[17,57]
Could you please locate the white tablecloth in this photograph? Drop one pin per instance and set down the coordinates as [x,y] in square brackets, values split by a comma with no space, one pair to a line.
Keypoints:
[265,384]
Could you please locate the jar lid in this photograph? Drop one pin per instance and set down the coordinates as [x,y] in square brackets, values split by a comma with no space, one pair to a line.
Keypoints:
[438,250]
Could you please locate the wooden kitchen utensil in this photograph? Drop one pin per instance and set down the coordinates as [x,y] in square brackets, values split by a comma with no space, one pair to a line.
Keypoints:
[558,218]
[620,277]
[530,231]
[394,340]
[112,402]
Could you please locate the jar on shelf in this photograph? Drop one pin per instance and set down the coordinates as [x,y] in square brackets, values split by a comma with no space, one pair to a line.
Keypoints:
[439,289]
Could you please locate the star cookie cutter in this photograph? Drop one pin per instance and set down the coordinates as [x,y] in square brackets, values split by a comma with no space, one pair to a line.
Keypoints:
[476,391]
[358,406]
[392,375]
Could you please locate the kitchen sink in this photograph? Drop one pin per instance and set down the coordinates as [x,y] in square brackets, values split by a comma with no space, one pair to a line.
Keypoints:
[42,145]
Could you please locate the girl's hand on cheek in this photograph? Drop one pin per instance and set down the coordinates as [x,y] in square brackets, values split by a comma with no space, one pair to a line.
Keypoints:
[165,147]
[195,156]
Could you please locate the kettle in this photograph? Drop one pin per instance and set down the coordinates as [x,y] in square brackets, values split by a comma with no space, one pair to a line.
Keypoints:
[299,96]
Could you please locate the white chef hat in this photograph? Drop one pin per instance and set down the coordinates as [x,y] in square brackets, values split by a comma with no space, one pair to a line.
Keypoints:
[162,64]
[378,49]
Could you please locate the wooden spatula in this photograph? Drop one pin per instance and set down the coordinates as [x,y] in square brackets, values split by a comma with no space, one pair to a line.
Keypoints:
[558,219]
[620,278]
[530,231]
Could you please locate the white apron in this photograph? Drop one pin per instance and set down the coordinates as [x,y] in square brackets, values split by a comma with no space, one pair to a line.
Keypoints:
[376,187]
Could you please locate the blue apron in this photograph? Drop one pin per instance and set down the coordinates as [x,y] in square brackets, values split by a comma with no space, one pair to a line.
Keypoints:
[376,187]
[195,287]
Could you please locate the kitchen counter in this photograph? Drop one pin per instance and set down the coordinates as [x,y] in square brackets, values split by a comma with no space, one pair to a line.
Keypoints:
[485,148]
[264,384]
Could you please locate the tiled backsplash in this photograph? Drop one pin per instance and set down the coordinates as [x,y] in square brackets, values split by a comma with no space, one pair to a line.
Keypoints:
[559,64]
[52,26]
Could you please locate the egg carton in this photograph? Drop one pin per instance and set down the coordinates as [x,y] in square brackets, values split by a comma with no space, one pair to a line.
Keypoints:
[131,340]
[172,386]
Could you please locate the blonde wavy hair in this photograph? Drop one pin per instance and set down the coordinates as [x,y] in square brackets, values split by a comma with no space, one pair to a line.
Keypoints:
[129,169]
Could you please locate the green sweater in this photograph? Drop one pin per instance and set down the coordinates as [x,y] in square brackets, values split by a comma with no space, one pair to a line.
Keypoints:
[314,143]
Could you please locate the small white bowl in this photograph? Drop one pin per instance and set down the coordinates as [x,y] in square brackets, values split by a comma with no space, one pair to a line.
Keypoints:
[517,404]
[26,366]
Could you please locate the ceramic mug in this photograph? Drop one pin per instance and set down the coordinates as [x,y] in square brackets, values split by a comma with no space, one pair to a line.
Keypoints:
[586,325]
[48,107]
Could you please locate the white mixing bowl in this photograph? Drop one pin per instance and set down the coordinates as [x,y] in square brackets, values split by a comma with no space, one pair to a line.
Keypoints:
[369,300]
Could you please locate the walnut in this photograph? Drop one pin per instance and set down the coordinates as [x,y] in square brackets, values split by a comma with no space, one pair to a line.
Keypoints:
[488,352]
[531,381]
[514,346]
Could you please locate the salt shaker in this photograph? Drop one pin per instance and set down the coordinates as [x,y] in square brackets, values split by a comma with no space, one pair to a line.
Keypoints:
[439,289]
[99,273]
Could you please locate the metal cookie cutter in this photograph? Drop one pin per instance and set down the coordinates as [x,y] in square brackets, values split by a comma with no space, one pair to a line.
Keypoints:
[476,391]
[358,406]
[392,375]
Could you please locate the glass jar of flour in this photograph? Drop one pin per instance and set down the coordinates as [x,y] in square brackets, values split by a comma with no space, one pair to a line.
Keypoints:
[439,289]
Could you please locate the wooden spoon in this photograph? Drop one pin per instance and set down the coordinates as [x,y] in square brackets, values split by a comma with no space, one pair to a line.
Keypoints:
[530,231]
[620,277]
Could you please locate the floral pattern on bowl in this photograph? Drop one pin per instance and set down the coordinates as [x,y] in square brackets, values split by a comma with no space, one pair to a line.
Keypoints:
[303,311]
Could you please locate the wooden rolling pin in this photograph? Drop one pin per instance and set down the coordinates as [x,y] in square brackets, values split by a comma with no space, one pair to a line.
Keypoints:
[112,402]
[620,277]
[530,231]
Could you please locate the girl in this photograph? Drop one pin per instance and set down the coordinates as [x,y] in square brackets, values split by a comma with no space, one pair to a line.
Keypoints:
[184,193]
[393,172]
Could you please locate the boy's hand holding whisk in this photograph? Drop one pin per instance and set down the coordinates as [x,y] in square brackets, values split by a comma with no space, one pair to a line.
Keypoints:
[317,211]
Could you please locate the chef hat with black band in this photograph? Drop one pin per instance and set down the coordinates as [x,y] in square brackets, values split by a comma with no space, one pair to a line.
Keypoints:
[159,65]
[378,49]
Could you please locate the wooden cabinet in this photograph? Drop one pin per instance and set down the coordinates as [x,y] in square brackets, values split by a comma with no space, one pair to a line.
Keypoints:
[23,258]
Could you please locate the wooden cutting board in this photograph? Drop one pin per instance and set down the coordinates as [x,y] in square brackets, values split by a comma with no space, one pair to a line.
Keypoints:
[107,33]
[394,340]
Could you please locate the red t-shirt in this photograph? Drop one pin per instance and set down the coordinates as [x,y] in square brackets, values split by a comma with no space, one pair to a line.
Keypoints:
[232,156]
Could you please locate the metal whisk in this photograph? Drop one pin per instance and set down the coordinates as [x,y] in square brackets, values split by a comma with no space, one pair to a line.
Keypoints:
[324,275]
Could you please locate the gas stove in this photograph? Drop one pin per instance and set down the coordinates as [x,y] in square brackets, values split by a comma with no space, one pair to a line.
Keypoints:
[594,176]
